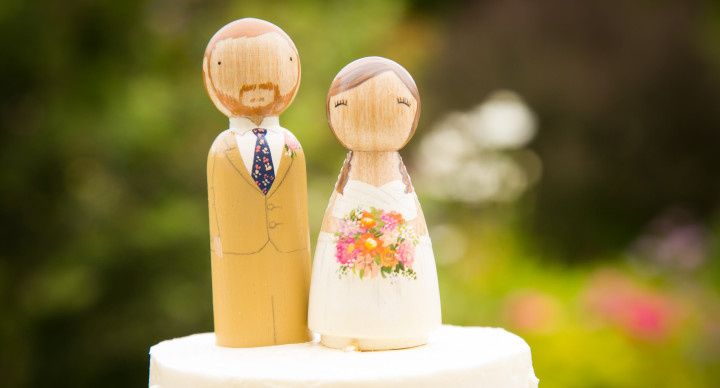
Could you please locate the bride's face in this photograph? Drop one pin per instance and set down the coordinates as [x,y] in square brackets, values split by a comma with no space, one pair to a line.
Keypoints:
[377,115]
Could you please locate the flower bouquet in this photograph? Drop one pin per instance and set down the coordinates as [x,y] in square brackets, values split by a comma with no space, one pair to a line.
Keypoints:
[375,242]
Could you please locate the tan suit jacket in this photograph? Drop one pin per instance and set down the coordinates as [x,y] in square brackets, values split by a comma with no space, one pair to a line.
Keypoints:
[260,249]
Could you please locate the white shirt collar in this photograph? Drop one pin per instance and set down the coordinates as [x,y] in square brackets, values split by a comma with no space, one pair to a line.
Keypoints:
[243,124]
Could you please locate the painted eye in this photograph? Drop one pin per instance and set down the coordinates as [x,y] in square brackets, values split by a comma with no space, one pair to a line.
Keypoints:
[290,59]
[219,62]
[403,100]
[340,102]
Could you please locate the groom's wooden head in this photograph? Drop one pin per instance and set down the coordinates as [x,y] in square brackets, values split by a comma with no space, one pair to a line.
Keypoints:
[373,105]
[251,69]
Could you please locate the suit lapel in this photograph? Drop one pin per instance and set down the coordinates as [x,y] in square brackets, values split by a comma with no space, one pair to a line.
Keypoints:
[232,153]
[285,164]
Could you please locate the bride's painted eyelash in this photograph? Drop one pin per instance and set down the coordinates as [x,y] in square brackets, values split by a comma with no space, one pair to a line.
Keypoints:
[340,102]
[403,100]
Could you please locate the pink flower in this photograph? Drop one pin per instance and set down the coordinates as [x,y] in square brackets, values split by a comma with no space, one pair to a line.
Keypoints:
[641,312]
[406,254]
[533,311]
[391,220]
[345,250]
[390,237]
[349,228]
[291,143]
[647,317]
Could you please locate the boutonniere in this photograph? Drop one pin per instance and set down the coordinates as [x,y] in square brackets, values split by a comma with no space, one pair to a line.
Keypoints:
[291,144]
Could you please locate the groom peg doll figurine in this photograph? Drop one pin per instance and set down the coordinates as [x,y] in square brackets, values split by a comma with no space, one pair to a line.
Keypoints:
[257,189]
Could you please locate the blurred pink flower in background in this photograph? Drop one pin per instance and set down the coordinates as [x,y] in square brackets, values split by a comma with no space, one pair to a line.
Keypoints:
[641,313]
[532,312]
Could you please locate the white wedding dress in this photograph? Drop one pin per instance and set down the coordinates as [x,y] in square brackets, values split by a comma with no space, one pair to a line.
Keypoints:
[373,313]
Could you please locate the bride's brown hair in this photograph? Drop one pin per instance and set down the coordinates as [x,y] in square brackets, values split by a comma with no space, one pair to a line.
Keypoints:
[354,75]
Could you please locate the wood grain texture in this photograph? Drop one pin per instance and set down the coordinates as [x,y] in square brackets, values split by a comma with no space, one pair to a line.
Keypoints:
[377,115]
[251,68]
[260,248]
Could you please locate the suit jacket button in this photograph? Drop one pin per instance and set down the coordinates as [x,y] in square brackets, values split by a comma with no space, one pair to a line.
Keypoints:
[272,224]
[270,206]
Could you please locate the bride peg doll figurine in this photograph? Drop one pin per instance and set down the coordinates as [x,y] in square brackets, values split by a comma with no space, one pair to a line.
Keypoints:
[374,283]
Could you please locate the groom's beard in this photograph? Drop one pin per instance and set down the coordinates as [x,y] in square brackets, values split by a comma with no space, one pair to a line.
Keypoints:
[257,99]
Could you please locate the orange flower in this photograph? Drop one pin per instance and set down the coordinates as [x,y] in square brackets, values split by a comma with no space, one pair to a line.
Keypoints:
[388,259]
[369,243]
[367,222]
[397,216]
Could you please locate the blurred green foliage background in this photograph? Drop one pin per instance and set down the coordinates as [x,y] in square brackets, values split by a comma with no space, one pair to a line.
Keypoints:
[604,257]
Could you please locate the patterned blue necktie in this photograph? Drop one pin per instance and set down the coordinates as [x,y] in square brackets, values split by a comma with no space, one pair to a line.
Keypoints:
[262,171]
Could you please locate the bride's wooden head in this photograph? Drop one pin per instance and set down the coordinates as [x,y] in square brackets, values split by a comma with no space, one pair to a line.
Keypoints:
[373,105]
[251,69]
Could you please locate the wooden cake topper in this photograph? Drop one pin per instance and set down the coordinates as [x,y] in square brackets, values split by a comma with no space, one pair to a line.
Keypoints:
[257,189]
[374,283]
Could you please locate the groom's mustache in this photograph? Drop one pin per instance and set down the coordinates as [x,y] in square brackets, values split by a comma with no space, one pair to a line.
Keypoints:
[259,96]
[266,86]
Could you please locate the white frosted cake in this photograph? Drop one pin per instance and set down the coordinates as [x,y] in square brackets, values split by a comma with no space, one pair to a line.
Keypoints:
[454,357]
